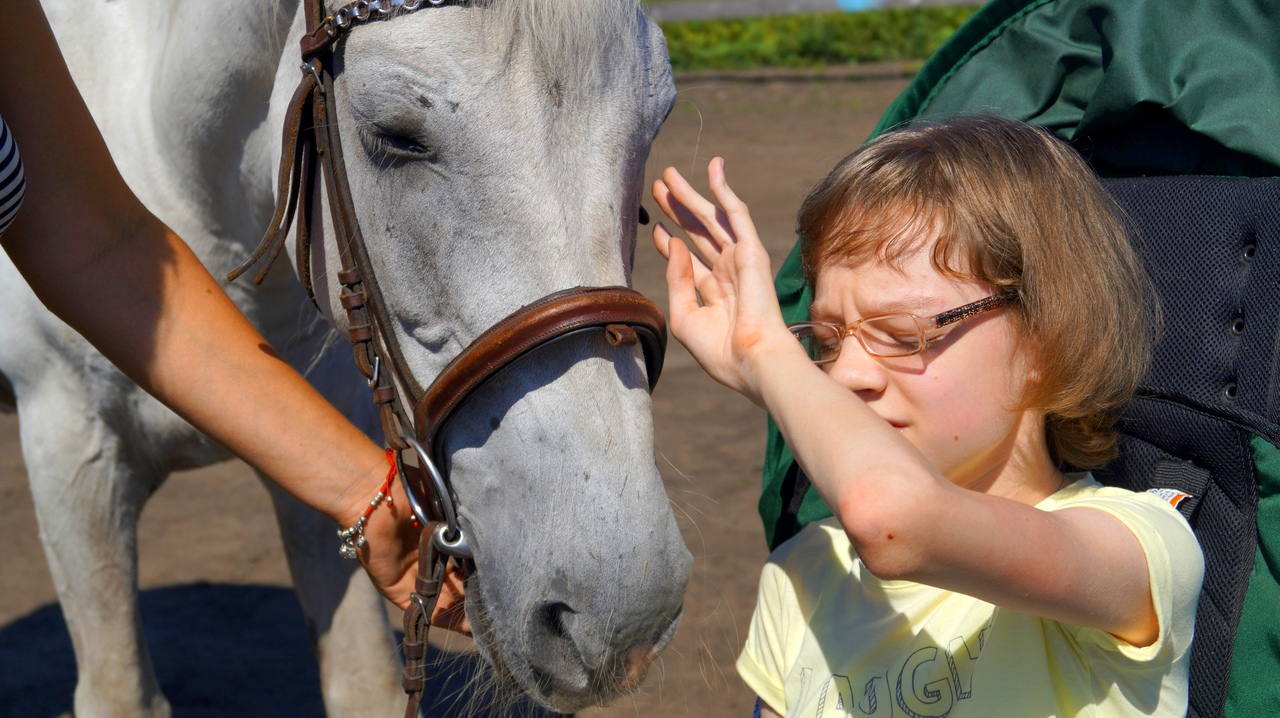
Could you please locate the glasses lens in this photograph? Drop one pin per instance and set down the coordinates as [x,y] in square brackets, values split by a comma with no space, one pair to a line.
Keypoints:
[820,342]
[895,335]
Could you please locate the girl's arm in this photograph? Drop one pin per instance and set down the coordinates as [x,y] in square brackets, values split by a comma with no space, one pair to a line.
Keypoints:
[101,262]
[906,521]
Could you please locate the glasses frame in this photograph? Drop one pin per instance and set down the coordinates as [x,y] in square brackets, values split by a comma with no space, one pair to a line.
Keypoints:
[924,325]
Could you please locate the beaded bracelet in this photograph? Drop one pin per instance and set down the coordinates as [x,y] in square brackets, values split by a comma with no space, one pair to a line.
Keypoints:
[353,537]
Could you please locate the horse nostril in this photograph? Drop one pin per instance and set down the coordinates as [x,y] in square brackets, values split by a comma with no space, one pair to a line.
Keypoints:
[552,617]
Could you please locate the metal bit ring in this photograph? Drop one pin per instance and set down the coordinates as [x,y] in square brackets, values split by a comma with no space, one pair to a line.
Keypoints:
[449,538]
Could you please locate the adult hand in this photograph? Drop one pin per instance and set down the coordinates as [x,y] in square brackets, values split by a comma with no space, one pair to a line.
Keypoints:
[738,322]
[391,559]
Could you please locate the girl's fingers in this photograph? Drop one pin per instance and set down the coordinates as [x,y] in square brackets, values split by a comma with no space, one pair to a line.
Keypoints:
[712,232]
[707,213]
[720,186]
[707,282]
[687,195]
[686,220]
[675,210]
[662,239]
[738,217]
[687,273]
[705,210]
[682,290]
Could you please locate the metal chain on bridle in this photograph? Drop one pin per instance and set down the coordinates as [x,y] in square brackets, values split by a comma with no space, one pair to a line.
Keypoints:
[310,142]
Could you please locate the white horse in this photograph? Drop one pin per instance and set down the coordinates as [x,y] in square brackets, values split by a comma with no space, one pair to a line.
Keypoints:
[495,152]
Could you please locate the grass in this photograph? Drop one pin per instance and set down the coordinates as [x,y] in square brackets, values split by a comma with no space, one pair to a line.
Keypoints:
[818,40]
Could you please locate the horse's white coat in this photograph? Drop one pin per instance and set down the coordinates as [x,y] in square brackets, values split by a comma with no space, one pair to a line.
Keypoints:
[495,154]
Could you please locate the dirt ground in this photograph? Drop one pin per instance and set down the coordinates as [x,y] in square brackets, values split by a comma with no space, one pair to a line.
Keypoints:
[210,557]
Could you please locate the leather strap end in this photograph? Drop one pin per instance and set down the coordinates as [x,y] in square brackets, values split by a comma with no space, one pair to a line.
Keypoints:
[621,335]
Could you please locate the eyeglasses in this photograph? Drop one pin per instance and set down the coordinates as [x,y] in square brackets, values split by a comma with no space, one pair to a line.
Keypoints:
[889,335]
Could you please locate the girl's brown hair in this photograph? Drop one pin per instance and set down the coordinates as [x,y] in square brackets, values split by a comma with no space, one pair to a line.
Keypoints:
[1015,208]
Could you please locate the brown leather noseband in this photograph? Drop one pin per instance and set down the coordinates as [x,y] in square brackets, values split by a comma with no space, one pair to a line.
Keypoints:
[624,316]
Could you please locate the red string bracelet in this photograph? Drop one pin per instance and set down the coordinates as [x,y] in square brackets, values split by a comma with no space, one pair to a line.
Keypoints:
[353,537]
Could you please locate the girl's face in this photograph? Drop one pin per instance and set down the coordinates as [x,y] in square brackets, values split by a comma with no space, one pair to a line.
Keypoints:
[955,401]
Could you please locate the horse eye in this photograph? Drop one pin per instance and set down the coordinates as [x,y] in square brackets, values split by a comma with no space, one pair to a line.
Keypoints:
[394,146]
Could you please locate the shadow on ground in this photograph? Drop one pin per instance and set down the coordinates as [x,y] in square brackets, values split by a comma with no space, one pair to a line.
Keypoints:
[219,651]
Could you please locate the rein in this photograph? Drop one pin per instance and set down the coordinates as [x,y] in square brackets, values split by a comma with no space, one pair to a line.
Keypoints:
[311,144]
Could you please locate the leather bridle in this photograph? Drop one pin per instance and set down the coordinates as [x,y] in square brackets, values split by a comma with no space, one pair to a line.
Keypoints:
[310,142]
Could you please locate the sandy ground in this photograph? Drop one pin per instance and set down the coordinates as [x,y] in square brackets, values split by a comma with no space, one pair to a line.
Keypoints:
[210,557]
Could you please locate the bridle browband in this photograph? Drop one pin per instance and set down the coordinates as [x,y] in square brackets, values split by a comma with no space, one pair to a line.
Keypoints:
[310,141]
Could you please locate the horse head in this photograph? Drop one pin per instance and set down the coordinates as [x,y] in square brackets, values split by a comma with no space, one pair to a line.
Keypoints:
[494,152]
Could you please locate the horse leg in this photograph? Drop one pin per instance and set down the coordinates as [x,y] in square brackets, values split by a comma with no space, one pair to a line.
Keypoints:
[359,662]
[88,492]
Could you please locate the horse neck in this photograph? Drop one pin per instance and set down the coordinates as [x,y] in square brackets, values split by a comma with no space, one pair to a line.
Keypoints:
[178,90]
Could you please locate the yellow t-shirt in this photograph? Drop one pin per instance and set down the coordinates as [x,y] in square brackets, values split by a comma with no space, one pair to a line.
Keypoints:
[829,639]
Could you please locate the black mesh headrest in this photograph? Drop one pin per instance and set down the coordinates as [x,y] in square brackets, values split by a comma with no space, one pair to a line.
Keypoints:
[1212,248]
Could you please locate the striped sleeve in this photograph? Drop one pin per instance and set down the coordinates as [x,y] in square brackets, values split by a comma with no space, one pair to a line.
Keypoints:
[12,181]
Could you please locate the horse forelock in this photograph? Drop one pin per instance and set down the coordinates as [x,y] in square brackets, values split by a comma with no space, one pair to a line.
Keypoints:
[567,37]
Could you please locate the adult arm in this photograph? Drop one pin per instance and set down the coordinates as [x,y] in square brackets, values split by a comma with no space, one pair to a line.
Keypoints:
[112,271]
[905,520]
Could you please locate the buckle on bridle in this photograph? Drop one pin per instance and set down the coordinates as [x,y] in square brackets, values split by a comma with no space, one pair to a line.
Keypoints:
[308,67]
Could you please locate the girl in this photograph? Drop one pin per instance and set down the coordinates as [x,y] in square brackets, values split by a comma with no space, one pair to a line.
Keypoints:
[978,320]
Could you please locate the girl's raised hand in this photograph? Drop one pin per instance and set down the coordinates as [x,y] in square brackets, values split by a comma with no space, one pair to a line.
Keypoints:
[738,321]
